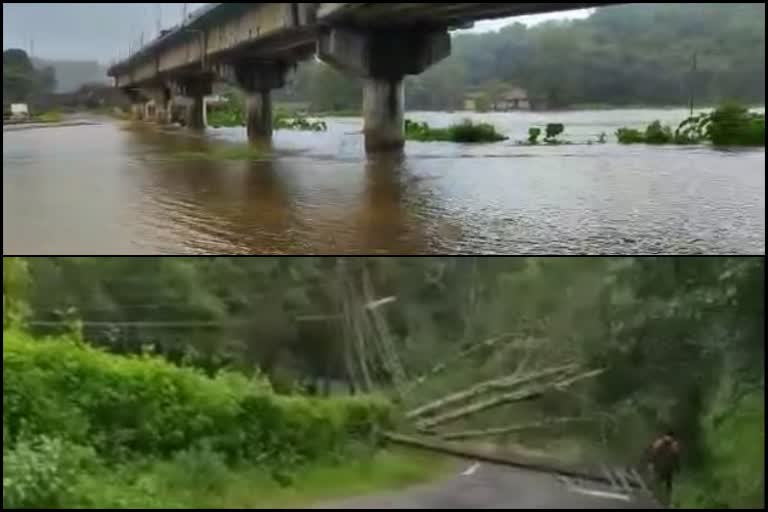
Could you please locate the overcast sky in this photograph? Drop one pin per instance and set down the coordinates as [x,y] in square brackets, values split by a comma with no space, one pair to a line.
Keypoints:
[105,31]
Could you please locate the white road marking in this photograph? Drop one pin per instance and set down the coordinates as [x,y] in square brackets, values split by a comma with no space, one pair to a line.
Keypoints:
[601,494]
[472,469]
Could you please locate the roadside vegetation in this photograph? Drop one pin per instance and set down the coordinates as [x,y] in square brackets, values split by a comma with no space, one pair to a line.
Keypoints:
[48,117]
[83,428]
[290,380]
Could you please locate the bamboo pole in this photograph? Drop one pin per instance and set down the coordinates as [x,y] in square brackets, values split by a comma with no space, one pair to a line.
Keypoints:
[491,432]
[490,385]
[440,367]
[517,396]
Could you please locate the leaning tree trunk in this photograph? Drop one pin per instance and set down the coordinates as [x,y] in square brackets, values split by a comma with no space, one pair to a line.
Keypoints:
[517,396]
[491,385]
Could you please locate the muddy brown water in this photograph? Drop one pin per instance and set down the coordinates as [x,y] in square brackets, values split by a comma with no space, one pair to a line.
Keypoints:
[114,188]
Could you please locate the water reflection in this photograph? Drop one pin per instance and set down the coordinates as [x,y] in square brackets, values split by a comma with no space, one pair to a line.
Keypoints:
[130,189]
[282,205]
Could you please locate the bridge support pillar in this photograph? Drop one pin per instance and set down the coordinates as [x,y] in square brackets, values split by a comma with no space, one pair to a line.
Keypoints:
[259,115]
[137,103]
[196,118]
[157,109]
[257,79]
[384,114]
[137,111]
[195,90]
[383,59]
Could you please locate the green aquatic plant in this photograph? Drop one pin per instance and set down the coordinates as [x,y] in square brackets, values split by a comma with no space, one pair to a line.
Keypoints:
[533,136]
[728,125]
[464,132]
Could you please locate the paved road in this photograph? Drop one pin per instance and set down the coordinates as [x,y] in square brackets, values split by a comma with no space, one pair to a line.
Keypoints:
[481,485]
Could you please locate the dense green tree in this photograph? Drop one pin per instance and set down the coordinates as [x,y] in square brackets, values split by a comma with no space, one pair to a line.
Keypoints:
[21,81]
[622,55]
[681,340]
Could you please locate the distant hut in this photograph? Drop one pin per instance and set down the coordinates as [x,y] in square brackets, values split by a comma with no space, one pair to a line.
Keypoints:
[515,98]
[473,101]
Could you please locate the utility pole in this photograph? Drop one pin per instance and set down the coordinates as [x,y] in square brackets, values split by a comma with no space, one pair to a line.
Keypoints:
[158,18]
[693,80]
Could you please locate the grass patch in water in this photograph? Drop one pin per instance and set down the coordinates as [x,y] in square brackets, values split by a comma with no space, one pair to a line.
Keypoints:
[340,113]
[233,116]
[284,121]
[236,153]
[464,132]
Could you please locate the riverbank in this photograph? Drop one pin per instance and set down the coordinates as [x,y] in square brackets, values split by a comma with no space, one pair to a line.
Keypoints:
[36,126]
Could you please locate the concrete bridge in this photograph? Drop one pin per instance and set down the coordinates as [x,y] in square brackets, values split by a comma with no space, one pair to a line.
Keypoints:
[253,45]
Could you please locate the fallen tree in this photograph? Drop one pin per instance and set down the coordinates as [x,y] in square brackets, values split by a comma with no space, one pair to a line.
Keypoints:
[490,385]
[491,432]
[507,398]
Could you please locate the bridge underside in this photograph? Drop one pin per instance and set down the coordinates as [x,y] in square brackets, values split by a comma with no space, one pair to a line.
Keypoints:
[253,45]
[379,15]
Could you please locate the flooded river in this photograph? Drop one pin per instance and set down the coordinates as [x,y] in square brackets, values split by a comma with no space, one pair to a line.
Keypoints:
[110,188]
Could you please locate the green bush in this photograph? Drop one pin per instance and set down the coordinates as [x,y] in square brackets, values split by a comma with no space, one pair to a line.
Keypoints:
[658,134]
[729,125]
[41,473]
[464,132]
[146,406]
[693,130]
[226,117]
[655,133]
[734,125]
[553,130]
[630,136]
[533,136]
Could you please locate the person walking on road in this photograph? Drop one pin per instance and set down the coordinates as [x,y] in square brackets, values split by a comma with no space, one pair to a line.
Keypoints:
[664,463]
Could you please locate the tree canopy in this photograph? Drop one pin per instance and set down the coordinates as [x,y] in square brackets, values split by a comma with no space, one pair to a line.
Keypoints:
[624,55]
[21,81]
[676,342]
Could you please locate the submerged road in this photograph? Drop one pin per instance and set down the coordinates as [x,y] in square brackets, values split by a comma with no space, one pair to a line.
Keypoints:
[483,485]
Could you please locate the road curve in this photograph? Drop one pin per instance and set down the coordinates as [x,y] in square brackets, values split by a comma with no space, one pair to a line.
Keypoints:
[483,485]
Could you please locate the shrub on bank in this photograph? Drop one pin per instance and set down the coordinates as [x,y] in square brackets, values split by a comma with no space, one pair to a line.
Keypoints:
[143,405]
